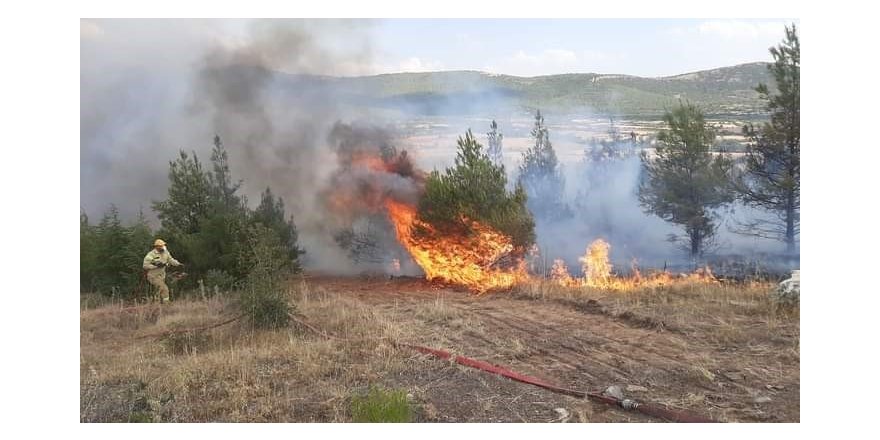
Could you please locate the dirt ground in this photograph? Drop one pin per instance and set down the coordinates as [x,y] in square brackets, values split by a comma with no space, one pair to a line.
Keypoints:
[722,351]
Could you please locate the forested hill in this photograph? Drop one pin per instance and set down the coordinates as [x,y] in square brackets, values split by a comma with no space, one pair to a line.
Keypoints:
[721,91]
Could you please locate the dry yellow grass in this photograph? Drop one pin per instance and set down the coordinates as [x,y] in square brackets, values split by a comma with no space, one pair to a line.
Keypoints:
[587,337]
[231,373]
[727,313]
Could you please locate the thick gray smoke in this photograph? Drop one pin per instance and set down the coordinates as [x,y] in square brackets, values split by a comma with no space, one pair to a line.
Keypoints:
[603,196]
[152,87]
[276,126]
[173,85]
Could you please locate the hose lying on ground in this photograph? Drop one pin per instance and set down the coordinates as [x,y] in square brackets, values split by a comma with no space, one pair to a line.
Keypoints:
[627,404]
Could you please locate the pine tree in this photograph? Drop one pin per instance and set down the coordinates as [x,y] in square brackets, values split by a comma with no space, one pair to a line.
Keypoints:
[263,298]
[685,183]
[270,213]
[495,144]
[115,273]
[476,189]
[772,174]
[189,196]
[88,262]
[221,178]
[540,174]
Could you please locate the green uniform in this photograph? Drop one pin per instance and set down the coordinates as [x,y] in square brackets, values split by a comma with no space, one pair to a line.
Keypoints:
[156,274]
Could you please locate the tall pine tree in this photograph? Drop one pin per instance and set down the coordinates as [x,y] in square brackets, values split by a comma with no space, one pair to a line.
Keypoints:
[686,182]
[540,175]
[772,176]
[495,144]
[270,213]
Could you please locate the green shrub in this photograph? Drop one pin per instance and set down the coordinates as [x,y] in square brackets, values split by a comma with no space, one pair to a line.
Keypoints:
[476,188]
[266,309]
[111,255]
[219,278]
[264,300]
[381,406]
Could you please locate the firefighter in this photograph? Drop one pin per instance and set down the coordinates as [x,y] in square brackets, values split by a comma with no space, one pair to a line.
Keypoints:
[154,264]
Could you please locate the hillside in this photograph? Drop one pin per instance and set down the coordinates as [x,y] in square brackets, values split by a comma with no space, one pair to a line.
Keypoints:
[722,91]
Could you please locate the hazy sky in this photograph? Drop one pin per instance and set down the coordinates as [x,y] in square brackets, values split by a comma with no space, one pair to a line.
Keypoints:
[524,47]
[540,47]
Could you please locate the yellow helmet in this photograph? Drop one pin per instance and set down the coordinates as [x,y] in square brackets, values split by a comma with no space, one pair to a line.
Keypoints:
[159,242]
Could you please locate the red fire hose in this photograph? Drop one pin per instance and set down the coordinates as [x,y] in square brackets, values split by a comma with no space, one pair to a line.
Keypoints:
[627,404]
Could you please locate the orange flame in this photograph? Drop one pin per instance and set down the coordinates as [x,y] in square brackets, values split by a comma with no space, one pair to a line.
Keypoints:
[597,268]
[455,258]
[598,273]
[559,274]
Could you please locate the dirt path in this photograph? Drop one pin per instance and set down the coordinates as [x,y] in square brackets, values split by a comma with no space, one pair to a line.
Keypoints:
[577,347]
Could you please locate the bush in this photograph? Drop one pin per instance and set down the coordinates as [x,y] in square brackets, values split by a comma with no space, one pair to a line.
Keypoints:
[264,301]
[218,278]
[205,221]
[111,255]
[381,406]
[266,309]
[476,189]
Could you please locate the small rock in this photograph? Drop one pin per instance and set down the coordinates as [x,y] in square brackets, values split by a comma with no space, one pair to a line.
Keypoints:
[762,399]
[636,389]
[734,376]
[614,391]
[564,415]
[431,411]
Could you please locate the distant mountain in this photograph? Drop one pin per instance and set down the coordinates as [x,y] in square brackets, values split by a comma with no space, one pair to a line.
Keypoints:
[720,92]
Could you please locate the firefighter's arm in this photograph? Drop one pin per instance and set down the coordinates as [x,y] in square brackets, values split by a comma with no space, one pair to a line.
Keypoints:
[172,261]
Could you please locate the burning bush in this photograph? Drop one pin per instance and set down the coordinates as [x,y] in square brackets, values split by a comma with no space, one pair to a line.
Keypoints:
[461,226]
[474,192]
[468,229]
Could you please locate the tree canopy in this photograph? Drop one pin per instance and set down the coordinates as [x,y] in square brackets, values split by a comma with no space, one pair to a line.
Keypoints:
[476,189]
[685,182]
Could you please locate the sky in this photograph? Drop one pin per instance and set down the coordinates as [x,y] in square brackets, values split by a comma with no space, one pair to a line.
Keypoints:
[522,47]
[643,47]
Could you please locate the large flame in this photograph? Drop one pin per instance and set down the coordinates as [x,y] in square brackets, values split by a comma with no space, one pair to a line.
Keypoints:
[595,263]
[470,260]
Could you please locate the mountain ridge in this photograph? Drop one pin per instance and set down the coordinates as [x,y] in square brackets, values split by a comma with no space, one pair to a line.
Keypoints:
[719,91]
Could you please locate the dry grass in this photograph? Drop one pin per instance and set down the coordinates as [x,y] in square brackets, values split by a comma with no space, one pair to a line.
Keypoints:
[727,314]
[235,373]
[231,373]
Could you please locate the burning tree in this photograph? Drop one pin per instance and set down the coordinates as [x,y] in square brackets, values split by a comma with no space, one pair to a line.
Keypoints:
[467,228]
[475,190]
[686,182]
[772,176]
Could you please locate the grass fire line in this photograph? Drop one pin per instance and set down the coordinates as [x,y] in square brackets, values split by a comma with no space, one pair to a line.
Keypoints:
[470,261]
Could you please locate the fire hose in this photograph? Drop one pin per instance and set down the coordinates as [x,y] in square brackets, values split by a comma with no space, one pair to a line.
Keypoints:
[627,404]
